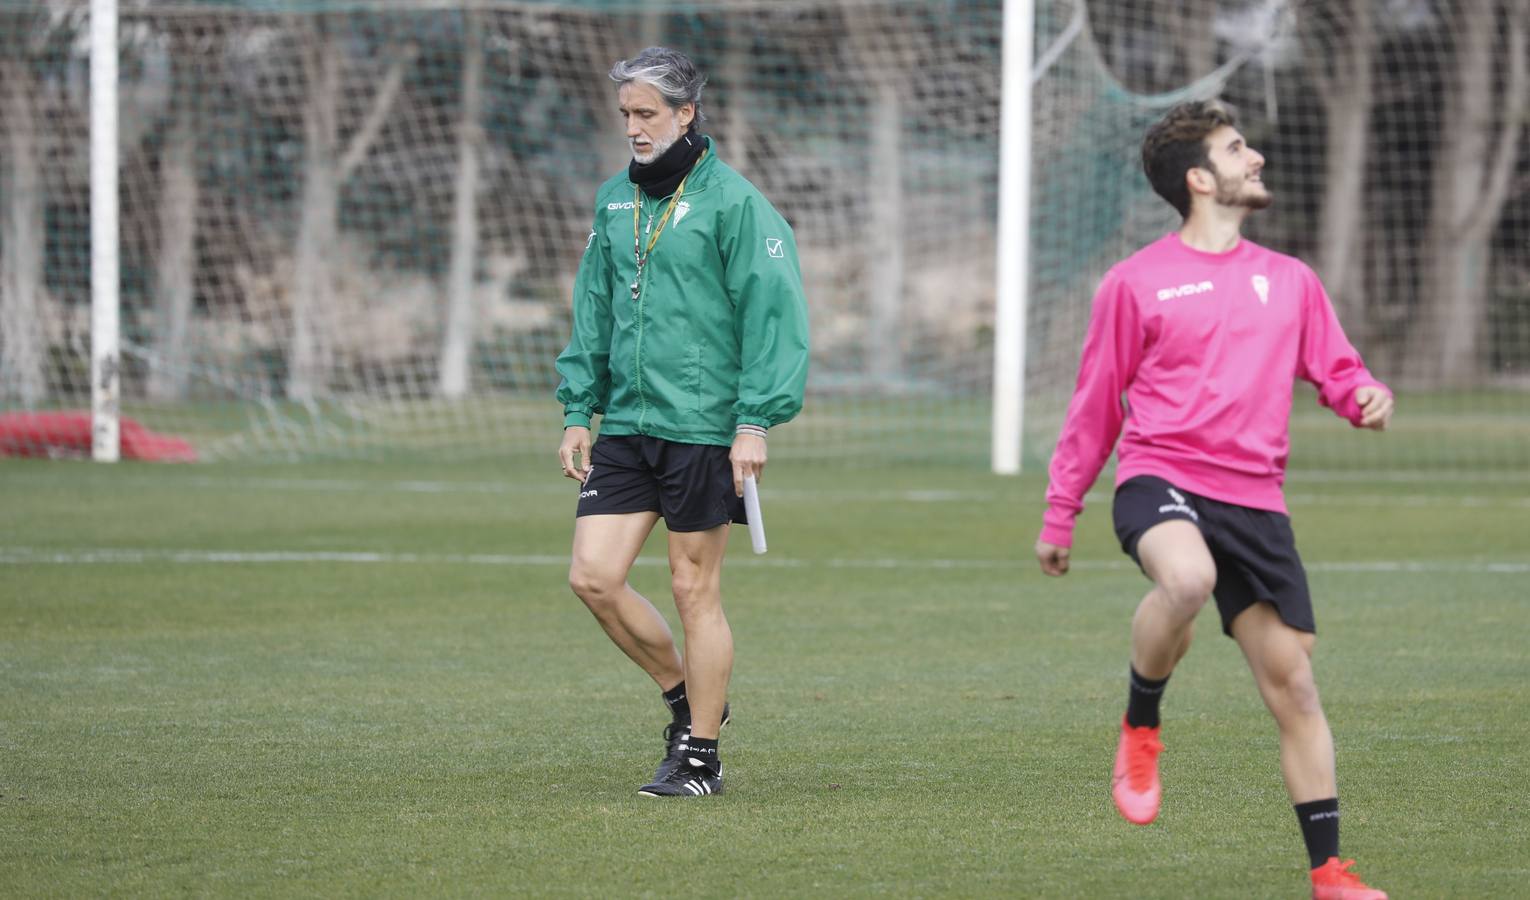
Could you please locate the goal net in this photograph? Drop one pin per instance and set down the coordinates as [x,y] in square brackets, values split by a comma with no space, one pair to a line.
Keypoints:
[1397,150]
[350,229]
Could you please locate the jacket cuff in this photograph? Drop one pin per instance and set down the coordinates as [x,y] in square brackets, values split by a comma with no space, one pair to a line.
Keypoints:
[759,421]
[576,415]
[1057,527]
[759,431]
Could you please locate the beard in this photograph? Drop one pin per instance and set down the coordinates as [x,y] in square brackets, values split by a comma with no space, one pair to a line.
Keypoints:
[1230,192]
[661,143]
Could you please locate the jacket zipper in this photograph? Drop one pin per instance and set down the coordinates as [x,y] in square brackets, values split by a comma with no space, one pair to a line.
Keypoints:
[637,353]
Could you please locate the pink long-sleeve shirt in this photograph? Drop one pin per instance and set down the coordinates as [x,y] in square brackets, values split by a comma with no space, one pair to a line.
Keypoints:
[1205,348]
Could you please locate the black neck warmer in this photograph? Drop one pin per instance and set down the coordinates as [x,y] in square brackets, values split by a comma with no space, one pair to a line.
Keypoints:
[659,178]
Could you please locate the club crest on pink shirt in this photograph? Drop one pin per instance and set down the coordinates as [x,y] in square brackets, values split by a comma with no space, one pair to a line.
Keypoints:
[1262,288]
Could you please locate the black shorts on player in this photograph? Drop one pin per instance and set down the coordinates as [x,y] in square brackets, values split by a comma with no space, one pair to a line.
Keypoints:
[1254,549]
[690,485]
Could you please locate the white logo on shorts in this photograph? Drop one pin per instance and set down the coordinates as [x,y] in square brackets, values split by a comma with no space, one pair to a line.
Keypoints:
[1179,505]
[587,494]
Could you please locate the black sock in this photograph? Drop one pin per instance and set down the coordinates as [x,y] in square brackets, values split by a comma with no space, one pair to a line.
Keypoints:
[1320,828]
[704,751]
[1142,700]
[679,707]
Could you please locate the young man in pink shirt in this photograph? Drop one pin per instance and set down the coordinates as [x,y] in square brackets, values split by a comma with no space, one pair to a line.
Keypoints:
[1204,333]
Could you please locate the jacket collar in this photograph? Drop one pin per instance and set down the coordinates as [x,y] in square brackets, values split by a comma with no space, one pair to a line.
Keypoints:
[661,177]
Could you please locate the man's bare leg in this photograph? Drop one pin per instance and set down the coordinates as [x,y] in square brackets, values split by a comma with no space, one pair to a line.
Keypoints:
[605,548]
[1175,556]
[695,562]
[1281,659]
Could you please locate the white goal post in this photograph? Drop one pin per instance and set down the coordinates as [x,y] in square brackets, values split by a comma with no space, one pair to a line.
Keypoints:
[1014,240]
[105,372]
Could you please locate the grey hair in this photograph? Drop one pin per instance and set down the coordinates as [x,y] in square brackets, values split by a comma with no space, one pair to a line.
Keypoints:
[670,72]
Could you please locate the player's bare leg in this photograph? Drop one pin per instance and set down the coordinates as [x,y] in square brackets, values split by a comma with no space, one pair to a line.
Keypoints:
[605,548]
[1175,557]
[1281,660]
[695,562]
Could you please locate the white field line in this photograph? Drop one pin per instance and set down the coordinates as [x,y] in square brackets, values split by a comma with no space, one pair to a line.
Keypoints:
[106,556]
[795,495]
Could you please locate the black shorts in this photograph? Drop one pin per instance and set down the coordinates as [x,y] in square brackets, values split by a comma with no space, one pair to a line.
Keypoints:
[1254,549]
[690,485]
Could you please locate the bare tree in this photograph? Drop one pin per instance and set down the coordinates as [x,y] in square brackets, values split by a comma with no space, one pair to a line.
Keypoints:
[1480,134]
[23,349]
[736,75]
[1156,45]
[45,155]
[1341,50]
[885,271]
[327,165]
[603,48]
[1189,24]
[180,193]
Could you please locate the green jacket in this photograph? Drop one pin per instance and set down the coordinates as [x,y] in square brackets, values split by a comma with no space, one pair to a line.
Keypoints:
[718,336]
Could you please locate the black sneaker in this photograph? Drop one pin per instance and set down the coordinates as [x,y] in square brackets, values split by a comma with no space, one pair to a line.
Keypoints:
[675,735]
[691,778]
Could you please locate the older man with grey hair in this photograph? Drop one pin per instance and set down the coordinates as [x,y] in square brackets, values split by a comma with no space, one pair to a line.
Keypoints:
[690,337]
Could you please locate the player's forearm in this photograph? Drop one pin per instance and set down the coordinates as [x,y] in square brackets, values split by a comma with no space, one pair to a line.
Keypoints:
[1089,434]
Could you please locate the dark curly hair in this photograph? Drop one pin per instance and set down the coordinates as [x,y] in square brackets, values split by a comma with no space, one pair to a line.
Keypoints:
[1176,144]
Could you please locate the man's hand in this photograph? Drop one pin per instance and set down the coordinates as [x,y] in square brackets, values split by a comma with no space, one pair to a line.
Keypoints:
[748,458]
[576,442]
[1375,407]
[1054,559]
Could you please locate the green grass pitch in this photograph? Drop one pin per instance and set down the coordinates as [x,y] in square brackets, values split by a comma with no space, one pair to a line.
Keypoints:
[357,680]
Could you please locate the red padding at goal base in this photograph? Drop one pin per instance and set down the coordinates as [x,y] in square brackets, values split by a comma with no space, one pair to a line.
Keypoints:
[68,434]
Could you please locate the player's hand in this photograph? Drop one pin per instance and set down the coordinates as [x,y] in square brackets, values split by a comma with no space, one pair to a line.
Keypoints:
[1054,559]
[1375,407]
[576,443]
[748,458]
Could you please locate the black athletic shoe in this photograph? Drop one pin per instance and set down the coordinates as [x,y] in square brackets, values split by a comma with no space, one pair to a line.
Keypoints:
[691,778]
[675,735]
